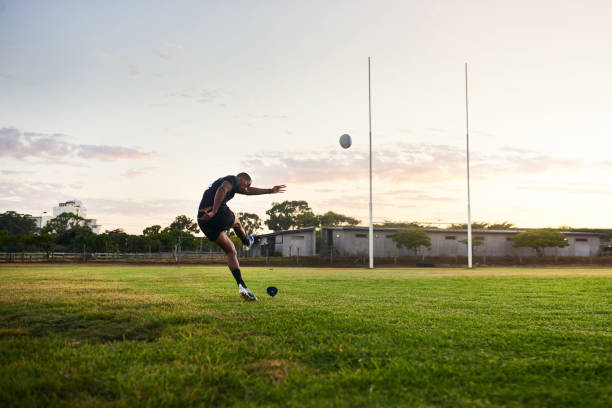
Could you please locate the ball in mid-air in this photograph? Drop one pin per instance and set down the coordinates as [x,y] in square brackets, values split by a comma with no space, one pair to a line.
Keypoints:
[345,141]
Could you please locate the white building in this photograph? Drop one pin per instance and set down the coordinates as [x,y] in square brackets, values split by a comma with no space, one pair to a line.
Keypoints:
[41,220]
[93,224]
[76,207]
[72,206]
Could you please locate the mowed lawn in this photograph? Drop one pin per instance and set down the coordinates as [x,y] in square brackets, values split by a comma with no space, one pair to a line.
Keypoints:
[73,335]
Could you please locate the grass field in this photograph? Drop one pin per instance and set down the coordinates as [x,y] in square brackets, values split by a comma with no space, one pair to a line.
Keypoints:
[74,335]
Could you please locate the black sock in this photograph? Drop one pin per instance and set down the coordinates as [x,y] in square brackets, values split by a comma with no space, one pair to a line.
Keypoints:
[238,277]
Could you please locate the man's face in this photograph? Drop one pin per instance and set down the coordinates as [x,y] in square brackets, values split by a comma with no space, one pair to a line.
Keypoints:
[243,184]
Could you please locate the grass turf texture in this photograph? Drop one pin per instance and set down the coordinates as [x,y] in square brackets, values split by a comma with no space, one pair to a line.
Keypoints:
[180,336]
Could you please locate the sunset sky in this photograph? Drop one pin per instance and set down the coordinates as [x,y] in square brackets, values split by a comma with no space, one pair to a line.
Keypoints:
[134,108]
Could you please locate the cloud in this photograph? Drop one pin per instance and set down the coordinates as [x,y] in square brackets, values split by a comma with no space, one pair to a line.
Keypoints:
[275,117]
[13,172]
[387,199]
[140,172]
[208,95]
[21,145]
[169,51]
[583,189]
[404,163]
[417,195]
[31,196]
[132,68]
[205,95]
[137,208]
[272,167]
[110,153]
[13,79]
[132,215]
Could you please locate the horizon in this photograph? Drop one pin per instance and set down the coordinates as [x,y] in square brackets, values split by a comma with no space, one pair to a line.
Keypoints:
[135,109]
[377,224]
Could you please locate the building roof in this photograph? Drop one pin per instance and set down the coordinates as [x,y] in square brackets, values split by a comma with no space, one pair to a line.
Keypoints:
[440,230]
[296,231]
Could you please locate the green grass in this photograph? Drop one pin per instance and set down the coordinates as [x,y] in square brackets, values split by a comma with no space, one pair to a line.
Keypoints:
[180,336]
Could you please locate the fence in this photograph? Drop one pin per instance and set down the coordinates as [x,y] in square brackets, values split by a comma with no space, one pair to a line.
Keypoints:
[165,257]
[197,257]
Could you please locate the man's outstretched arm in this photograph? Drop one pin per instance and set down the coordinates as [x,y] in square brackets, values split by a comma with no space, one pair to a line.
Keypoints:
[258,191]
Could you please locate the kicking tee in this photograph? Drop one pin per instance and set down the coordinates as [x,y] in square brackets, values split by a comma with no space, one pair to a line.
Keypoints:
[208,199]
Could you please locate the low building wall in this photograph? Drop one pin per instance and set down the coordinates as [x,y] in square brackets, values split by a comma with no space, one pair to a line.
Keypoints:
[300,242]
[353,241]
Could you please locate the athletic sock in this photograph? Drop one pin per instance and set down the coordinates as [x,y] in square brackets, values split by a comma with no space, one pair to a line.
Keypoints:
[238,277]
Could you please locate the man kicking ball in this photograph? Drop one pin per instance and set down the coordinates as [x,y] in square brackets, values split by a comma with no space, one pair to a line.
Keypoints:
[218,218]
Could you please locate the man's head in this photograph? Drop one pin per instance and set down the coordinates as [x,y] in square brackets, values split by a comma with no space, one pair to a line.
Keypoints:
[244,181]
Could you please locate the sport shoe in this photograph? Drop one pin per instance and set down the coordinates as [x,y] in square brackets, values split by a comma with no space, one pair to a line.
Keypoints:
[246,293]
[251,242]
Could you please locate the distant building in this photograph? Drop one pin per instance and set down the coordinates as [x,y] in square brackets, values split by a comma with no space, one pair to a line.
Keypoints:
[300,242]
[41,221]
[350,241]
[72,206]
[76,207]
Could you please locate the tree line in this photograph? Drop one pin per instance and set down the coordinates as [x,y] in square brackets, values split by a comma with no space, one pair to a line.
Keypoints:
[69,232]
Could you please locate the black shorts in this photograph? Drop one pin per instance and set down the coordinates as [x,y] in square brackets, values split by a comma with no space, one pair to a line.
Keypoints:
[222,221]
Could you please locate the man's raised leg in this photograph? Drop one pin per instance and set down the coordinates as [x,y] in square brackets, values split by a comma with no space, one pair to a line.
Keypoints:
[247,240]
[232,262]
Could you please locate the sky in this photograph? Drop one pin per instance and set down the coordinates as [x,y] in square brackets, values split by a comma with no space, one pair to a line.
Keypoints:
[135,107]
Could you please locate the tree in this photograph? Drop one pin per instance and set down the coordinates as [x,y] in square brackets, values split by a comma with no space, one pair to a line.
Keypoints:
[119,239]
[44,241]
[236,241]
[100,243]
[152,230]
[10,242]
[4,238]
[333,219]
[607,232]
[307,219]
[298,214]
[392,224]
[540,239]
[290,214]
[476,241]
[412,239]
[74,238]
[475,225]
[71,231]
[17,224]
[250,222]
[501,226]
[505,225]
[62,223]
[183,223]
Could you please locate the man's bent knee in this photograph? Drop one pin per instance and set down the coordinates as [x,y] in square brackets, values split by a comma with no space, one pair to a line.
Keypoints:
[229,250]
